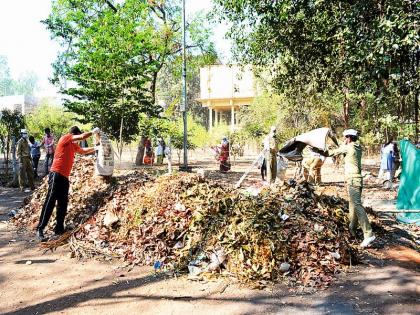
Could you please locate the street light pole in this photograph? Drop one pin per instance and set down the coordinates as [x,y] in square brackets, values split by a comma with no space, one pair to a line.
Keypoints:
[184,89]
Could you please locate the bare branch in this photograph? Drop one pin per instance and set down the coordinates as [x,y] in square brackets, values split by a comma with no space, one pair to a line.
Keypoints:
[111,6]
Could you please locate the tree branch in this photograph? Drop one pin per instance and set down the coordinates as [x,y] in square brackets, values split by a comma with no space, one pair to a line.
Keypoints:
[111,6]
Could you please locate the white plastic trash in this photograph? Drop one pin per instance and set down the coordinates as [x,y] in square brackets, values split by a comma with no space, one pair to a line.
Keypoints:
[281,167]
[194,271]
[104,156]
[216,259]
[284,267]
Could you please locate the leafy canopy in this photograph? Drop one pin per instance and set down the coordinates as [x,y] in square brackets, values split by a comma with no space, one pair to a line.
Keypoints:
[348,49]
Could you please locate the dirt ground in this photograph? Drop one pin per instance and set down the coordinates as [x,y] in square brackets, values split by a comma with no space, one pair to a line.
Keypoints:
[387,280]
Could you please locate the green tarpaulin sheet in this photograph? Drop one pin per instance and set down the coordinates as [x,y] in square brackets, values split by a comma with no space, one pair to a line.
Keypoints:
[409,191]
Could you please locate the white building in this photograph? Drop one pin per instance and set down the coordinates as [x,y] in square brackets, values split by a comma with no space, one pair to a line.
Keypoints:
[224,89]
[23,103]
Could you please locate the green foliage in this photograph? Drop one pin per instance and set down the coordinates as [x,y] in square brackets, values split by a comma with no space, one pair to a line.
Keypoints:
[176,132]
[110,57]
[200,53]
[198,134]
[113,55]
[237,141]
[260,115]
[26,84]
[163,127]
[320,54]
[370,139]
[270,109]
[6,81]
[52,116]
[10,124]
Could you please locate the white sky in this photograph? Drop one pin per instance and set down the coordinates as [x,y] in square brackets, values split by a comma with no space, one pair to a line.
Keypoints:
[27,44]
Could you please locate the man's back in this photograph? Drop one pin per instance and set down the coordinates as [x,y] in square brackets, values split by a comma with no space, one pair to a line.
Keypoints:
[64,155]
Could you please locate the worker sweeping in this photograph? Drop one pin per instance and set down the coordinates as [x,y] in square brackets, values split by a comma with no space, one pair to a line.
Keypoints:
[271,148]
[354,182]
[58,180]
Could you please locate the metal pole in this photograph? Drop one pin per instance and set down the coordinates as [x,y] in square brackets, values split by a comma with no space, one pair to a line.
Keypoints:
[184,88]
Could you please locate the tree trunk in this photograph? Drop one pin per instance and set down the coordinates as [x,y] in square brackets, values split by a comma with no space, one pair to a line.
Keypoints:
[140,151]
[346,108]
[7,155]
[362,114]
[153,87]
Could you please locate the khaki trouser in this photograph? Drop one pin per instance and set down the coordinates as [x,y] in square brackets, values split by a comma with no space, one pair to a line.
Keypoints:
[26,171]
[271,162]
[312,169]
[357,214]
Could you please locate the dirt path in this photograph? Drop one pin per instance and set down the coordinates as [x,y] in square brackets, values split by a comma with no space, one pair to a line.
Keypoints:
[33,282]
[53,283]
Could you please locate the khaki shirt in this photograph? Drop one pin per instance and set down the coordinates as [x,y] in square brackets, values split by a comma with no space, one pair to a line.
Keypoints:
[352,159]
[23,149]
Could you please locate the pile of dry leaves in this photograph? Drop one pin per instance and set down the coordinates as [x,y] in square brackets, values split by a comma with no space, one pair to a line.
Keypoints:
[88,195]
[184,222]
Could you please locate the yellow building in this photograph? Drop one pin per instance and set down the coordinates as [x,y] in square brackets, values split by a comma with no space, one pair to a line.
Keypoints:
[223,90]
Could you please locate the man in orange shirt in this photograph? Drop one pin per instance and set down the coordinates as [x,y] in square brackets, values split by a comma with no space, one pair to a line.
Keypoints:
[58,182]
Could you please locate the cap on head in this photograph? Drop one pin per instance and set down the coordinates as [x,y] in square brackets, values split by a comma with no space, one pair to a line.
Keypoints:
[23,131]
[75,130]
[350,132]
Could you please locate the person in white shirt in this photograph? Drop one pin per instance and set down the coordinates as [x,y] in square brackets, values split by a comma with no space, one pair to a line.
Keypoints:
[387,167]
[160,151]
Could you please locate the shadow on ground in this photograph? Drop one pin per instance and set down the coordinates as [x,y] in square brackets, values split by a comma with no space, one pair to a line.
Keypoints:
[382,287]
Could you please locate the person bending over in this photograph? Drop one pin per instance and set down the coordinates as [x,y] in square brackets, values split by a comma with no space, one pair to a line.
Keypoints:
[58,180]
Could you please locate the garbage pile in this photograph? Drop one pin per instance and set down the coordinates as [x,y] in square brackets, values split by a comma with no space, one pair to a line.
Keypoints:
[288,234]
[88,194]
[186,223]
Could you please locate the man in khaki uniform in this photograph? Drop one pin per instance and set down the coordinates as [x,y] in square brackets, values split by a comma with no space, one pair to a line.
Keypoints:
[271,148]
[354,181]
[24,156]
[312,167]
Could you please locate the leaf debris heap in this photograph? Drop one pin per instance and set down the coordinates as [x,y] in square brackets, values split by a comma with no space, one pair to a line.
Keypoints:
[184,222]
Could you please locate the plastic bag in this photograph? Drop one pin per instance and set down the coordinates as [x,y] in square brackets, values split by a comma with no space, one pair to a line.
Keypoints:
[104,156]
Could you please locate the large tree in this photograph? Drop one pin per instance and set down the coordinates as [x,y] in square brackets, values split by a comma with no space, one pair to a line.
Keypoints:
[112,55]
[356,48]
[106,64]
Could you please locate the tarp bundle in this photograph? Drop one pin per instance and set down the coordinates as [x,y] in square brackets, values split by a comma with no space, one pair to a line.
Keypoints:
[316,138]
[409,191]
